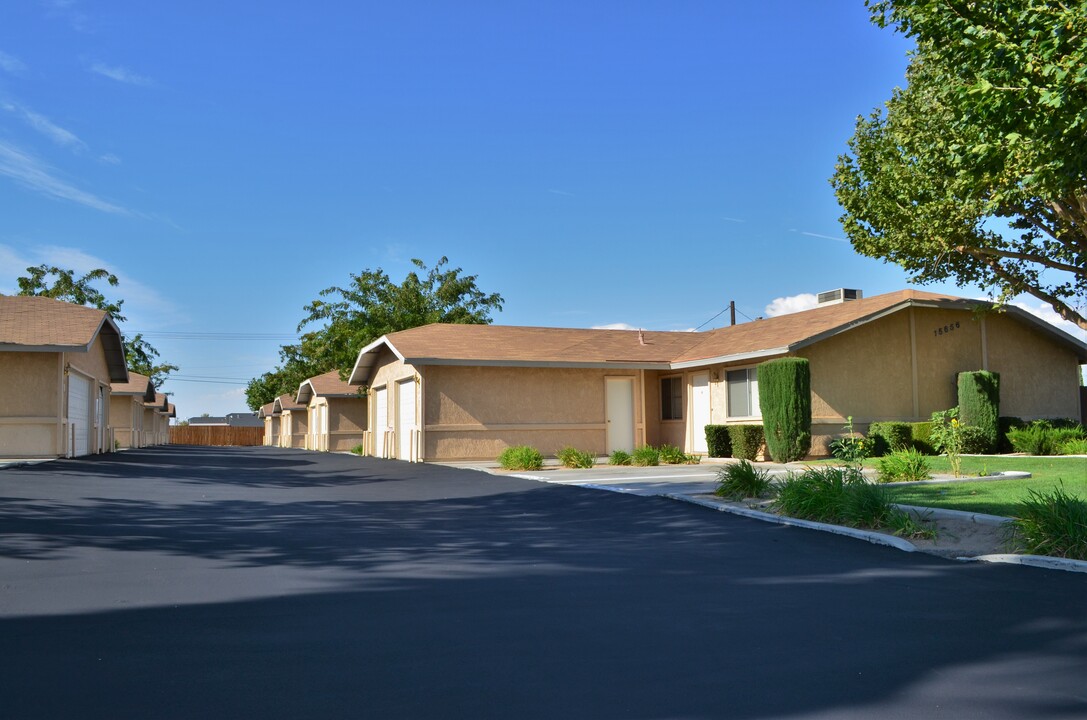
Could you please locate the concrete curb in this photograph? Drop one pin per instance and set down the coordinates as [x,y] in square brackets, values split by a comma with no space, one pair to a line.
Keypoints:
[866,535]
[979,518]
[1039,561]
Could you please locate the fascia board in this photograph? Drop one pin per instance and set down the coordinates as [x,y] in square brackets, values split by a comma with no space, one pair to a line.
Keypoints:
[14,347]
[355,377]
[617,365]
[722,359]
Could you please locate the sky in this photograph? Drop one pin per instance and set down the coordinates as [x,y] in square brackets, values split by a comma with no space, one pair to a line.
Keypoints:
[597,163]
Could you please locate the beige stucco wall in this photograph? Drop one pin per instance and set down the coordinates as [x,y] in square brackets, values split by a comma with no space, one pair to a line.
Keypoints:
[271,430]
[126,419]
[91,363]
[346,422]
[476,412]
[29,412]
[1039,378]
[299,427]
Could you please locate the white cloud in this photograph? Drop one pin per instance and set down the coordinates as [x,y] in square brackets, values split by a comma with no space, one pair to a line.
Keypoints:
[11,65]
[820,236]
[109,159]
[45,126]
[614,326]
[1045,312]
[732,219]
[791,304]
[144,307]
[33,174]
[120,74]
[553,191]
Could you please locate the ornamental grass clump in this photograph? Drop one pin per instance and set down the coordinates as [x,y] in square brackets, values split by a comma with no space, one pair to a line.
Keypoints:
[645,455]
[619,457]
[573,458]
[1053,523]
[906,465]
[521,457]
[672,455]
[742,480]
[841,496]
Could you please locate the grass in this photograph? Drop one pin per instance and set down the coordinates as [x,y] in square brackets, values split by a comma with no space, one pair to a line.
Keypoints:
[521,457]
[1001,497]
[571,457]
[742,480]
[1053,523]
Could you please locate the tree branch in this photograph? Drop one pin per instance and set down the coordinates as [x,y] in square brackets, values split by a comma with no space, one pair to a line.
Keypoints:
[1018,284]
[1040,259]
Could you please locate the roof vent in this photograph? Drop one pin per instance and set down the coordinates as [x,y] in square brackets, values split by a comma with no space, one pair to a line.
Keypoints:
[841,295]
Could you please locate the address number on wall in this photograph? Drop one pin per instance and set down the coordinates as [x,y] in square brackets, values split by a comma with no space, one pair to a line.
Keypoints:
[946,329]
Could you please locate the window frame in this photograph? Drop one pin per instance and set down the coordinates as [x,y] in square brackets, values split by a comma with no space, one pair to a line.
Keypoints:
[676,393]
[752,378]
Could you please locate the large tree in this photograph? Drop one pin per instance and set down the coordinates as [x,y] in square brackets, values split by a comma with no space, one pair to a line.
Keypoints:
[976,171]
[61,284]
[371,305]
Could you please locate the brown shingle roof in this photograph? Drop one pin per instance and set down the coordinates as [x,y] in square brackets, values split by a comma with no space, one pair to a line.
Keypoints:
[137,385]
[159,403]
[325,385]
[796,329]
[267,410]
[502,345]
[286,402]
[44,324]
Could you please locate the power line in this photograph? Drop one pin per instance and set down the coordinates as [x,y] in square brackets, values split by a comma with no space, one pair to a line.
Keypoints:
[167,335]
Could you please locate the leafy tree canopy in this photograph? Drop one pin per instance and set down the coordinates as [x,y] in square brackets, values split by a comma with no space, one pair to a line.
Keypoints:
[976,171]
[61,284]
[371,305]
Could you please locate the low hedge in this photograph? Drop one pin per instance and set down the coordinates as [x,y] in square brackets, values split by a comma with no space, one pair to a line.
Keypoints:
[718,443]
[921,435]
[890,437]
[746,441]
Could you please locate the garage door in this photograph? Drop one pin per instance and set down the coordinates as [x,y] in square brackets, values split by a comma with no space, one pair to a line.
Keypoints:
[405,402]
[381,420]
[79,412]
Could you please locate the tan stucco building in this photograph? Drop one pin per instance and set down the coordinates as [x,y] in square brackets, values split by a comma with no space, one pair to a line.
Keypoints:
[293,417]
[271,424]
[444,392]
[126,411]
[336,412]
[58,362]
[156,420]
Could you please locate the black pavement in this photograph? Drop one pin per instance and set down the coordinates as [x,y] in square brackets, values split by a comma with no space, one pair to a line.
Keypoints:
[182,582]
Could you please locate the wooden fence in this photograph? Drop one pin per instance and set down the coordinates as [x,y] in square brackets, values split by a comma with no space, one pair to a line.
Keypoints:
[215,435]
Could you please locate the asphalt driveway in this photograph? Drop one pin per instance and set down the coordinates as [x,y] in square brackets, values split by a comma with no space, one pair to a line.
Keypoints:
[180,582]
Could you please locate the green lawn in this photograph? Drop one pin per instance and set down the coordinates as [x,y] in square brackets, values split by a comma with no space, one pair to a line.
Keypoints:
[999,497]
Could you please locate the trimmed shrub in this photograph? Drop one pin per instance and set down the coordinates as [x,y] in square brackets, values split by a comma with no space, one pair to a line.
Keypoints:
[619,457]
[573,458]
[890,437]
[1040,438]
[645,456]
[979,406]
[921,434]
[742,480]
[359,449]
[904,466]
[975,441]
[717,441]
[785,401]
[521,457]
[746,441]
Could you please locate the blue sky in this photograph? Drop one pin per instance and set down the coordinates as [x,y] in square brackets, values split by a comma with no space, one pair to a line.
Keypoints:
[596,163]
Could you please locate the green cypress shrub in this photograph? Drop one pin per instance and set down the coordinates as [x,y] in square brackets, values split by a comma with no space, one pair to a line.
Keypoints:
[717,441]
[979,405]
[746,441]
[890,437]
[785,401]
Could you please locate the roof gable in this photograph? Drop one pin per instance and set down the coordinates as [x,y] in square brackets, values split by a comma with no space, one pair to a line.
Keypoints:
[138,386]
[41,324]
[327,384]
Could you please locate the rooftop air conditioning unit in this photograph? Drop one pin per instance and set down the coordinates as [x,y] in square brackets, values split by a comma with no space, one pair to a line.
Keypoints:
[841,295]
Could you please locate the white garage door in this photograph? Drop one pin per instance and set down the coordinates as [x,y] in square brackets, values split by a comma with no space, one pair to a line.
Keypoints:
[406,419]
[381,420]
[79,412]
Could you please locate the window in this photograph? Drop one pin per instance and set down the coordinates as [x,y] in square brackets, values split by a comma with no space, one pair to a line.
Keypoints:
[743,393]
[672,398]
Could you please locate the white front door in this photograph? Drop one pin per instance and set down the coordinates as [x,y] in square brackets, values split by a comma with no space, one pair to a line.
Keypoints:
[619,402]
[700,411]
[405,402]
[79,413]
[381,420]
